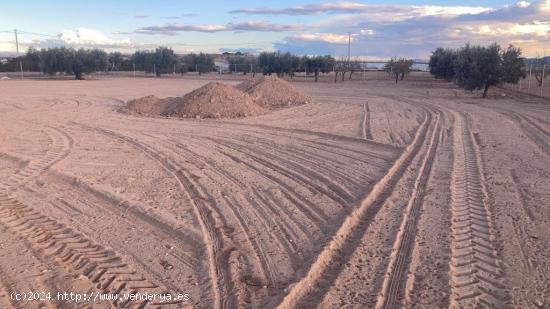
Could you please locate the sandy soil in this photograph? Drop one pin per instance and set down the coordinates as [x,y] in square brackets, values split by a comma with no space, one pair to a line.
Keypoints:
[413,195]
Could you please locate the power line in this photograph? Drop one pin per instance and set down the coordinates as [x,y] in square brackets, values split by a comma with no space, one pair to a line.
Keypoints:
[41,34]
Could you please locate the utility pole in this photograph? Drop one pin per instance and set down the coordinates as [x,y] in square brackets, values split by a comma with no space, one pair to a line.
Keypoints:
[542,80]
[16,41]
[349,49]
[529,81]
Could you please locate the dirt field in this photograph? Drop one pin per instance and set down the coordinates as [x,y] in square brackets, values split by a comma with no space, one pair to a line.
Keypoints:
[413,195]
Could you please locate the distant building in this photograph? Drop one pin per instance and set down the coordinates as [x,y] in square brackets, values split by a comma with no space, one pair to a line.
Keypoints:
[221,65]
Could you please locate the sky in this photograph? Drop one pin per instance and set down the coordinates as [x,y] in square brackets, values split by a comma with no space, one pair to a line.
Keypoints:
[377,29]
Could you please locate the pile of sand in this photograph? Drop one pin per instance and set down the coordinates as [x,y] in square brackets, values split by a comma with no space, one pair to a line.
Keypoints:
[214,100]
[272,92]
[149,105]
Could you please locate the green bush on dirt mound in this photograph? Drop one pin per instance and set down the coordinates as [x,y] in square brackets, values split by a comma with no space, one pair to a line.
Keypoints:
[213,100]
[272,92]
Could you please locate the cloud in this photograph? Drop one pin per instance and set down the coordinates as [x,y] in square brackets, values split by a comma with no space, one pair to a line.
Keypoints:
[258,25]
[359,8]
[384,34]
[82,38]
[241,50]
[254,25]
[173,29]
[321,37]
[141,16]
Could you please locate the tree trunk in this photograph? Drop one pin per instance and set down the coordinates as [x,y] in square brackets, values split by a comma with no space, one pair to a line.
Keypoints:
[539,78]
[485,90]
[396,77]
[78,76]
[350,73]
[335,76]
[316,75]
[343,75]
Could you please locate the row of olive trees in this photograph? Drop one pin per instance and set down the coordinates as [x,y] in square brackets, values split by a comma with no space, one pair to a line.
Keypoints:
[281,64]
[84,61]
[287,63]
[67,60]
[163,60]
[478,67]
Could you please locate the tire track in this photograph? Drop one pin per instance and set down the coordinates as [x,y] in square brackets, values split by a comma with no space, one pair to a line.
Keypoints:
[312,180]
[365,127]
[535,133]
[212,236]
[475,269]
[103,267]
[520,195]
[394,282]
[61,146]
[329,262]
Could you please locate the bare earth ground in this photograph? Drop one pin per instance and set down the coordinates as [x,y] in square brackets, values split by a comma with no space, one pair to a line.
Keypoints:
[378,195]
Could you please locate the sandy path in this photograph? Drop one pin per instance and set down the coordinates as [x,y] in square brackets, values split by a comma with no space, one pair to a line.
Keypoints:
[378,195]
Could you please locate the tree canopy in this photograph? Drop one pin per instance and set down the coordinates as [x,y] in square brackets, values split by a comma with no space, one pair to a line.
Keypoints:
[162,60]
[478,67]
[67,60]
[398,68]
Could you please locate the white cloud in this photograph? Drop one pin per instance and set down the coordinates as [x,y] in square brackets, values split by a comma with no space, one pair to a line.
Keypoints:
[252,25]
[523,4]
[322,37]
[89,38]
[366,32]
[361,8]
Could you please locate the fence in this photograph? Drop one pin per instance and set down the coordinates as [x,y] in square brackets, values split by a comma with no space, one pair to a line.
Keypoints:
[531,85]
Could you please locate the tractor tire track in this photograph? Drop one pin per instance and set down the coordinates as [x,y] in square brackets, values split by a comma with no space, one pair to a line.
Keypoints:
[61,146]
[394,282]
[365,126]
[329,262]
[474,269]
[103,267]
[535,133]
[213,238]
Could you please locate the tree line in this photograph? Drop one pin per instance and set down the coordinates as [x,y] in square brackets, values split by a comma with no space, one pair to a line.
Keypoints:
[163,60]
[478,67]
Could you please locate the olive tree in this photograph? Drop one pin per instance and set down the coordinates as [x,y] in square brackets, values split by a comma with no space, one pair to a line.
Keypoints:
[442,63]
[398,68]
[482,67]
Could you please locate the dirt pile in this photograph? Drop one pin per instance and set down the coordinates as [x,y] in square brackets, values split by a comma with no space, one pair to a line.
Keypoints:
[213,100]
[149,105]
[216,100]
[272,92]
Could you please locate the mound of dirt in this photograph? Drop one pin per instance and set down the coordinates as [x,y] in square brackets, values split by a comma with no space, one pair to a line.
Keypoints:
[149,105]
[213,100]
[272,92]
